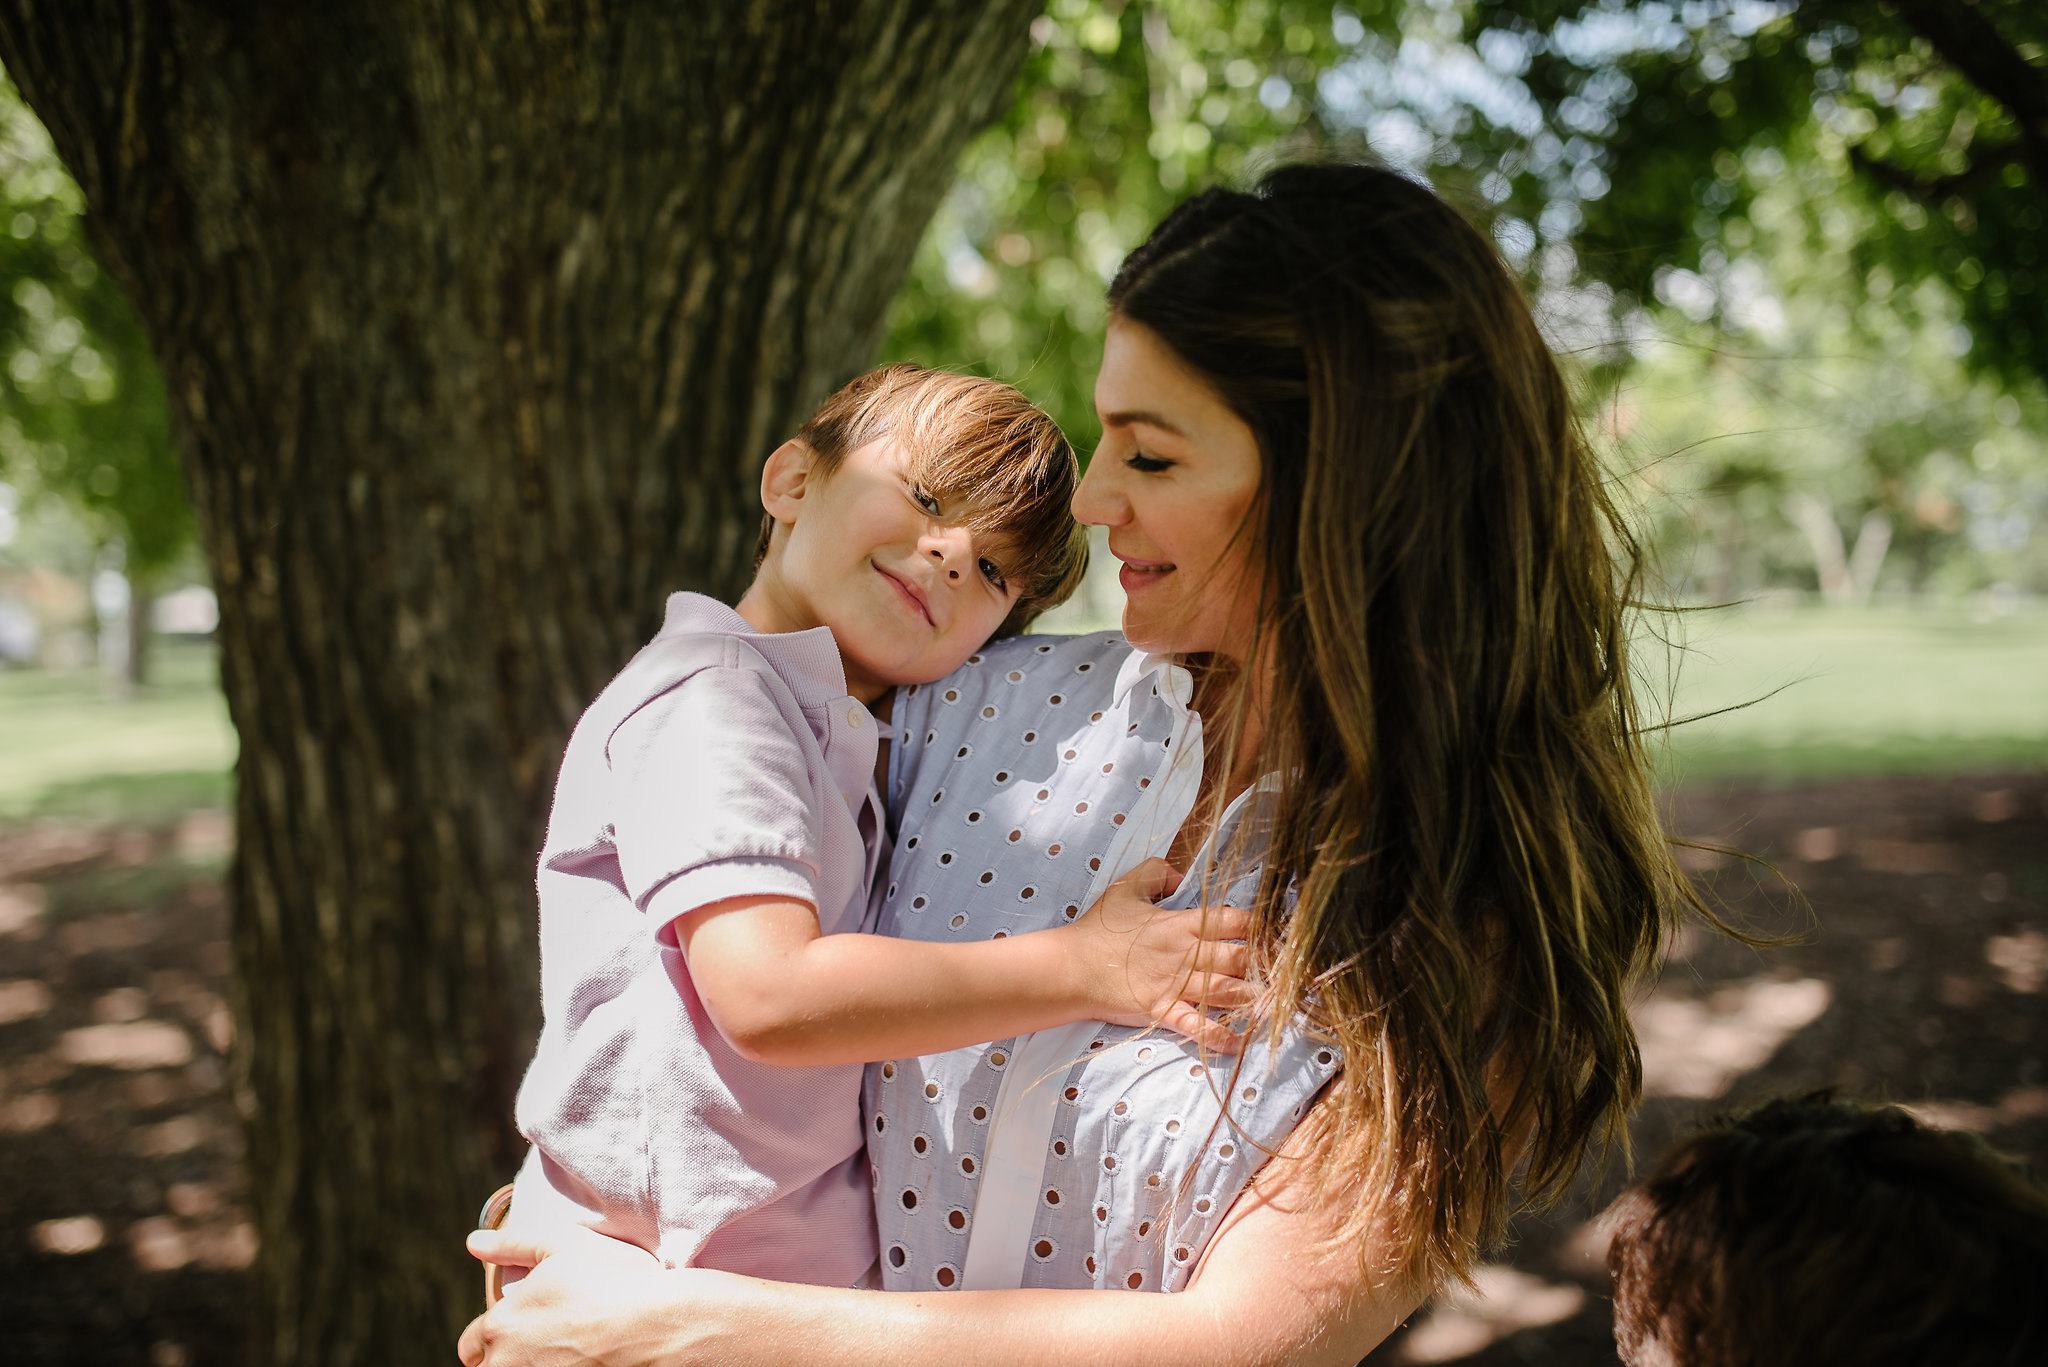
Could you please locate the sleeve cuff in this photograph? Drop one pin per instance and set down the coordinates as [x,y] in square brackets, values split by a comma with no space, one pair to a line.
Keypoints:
[721,879]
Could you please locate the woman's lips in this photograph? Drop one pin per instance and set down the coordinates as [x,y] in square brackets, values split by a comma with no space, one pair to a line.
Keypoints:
[1139,574]
[910,595]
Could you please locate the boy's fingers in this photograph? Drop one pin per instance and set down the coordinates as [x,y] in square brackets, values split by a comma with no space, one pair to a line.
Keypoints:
[1214,989]
[1214,1036]
[1225,923]
[1152,879]
[1229,959]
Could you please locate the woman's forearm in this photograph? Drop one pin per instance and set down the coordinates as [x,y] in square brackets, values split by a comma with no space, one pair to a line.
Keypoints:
[1277,1286]
[775,1325]
[1263,1299]
[1275,1290]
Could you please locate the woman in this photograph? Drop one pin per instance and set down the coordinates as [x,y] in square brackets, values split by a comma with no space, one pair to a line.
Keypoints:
[1379,692]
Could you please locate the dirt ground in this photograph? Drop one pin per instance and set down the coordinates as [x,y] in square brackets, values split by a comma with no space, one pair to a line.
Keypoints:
[123,1238]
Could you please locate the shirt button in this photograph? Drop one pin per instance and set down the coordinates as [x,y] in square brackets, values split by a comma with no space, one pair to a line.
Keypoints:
[853,716]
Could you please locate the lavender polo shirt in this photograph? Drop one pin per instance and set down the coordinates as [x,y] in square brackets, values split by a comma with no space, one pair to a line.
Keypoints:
[720,763]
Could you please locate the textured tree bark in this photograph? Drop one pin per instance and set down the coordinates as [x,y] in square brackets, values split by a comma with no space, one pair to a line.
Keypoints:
[478,317]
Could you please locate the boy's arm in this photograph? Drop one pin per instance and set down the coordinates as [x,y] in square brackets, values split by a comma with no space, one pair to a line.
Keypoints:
[782,993]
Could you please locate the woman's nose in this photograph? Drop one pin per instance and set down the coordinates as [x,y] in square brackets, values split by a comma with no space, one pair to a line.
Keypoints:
[1096,501]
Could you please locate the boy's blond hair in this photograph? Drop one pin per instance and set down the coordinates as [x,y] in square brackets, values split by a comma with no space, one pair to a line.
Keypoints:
[978,446]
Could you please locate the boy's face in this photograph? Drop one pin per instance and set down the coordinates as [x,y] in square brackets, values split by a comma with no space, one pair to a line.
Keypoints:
[908,594]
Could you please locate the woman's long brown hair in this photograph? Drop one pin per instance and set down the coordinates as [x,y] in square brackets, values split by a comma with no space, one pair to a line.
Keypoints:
[1466,872]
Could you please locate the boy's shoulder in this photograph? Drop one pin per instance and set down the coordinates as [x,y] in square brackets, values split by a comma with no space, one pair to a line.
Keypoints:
[1021,675]
[699,633]
[1039,654]
[705,645]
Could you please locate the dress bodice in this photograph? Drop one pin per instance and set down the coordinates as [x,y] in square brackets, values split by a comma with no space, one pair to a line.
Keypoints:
[1091,1155]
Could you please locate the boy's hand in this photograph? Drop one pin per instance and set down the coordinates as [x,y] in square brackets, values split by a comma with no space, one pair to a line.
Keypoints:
[1143,965]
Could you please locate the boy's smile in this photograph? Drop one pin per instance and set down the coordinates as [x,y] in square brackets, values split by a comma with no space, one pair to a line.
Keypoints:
[908,594]
[913,595]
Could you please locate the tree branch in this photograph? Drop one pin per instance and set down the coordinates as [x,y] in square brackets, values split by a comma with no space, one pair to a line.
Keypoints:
[1973,45]
[1933,190]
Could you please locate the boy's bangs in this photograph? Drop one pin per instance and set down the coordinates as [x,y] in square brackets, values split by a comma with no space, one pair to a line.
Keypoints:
[1006,476]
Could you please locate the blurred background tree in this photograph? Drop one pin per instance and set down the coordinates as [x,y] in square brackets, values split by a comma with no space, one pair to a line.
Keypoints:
[1923,122]
[1122,110]
[475,321]
[1788,248]
[83,419]
[1810,196]
[1818,229]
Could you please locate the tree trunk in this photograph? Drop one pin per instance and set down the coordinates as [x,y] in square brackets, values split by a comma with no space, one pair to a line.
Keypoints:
[141,603]
[1873,540]
[477,317]
[1815,517]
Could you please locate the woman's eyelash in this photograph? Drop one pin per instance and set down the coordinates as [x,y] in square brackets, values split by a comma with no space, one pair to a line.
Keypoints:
[1145,464]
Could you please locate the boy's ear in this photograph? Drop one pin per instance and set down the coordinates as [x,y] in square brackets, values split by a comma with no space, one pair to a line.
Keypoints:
[784,480]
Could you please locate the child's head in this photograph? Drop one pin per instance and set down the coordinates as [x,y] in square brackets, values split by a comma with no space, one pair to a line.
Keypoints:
[917,514]
[1814,1231]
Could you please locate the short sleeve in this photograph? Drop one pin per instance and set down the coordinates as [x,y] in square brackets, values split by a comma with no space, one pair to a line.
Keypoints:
[713,796]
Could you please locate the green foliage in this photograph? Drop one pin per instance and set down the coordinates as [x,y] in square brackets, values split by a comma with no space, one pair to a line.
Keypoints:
[83,416]
[1657,170]
[1680,115]
[1122,109]
[1816,381]
[1698,174]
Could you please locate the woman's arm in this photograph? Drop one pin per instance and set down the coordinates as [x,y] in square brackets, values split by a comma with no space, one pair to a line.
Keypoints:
[782,993]
[1273,1289]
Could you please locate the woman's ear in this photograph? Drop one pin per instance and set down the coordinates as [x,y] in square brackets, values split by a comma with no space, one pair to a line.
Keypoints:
[784,480]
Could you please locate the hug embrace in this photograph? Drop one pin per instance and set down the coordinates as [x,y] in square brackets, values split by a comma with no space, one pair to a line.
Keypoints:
[1263,953]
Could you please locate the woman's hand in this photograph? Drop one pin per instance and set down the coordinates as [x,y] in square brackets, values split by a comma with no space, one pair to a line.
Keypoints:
[1144,965]
[589,1298]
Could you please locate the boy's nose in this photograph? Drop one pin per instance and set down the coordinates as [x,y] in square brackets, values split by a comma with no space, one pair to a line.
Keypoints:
[938,547]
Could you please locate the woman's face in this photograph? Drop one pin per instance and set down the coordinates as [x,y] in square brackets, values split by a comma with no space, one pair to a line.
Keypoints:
[1174,480]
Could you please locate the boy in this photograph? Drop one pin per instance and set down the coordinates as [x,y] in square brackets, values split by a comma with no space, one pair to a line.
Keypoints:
[1812,1231]
[716,829]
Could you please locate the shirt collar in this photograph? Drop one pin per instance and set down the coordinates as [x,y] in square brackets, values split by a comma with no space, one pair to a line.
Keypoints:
[808,661]
[1175,683]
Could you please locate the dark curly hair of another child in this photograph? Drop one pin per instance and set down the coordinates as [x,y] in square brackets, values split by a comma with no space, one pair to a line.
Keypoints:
[1815,1231]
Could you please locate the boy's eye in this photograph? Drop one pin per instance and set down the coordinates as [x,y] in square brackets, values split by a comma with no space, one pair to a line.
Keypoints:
[1145,464]
[925,501]
[991,572]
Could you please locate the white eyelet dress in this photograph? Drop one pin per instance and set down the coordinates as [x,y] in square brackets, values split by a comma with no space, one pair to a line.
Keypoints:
[1091,1155]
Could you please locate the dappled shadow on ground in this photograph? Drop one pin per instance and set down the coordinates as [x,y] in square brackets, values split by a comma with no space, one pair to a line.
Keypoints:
[1924,982]
[122,1233]
[123,1238]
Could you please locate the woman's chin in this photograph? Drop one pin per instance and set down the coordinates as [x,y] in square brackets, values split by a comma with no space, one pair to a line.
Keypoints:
[1149,634]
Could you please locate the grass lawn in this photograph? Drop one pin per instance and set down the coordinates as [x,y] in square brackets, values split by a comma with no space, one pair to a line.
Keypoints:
[1883,691]
[69,749]
[1840,693]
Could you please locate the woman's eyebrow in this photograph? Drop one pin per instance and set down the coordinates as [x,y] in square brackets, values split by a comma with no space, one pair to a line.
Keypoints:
[1143,416]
